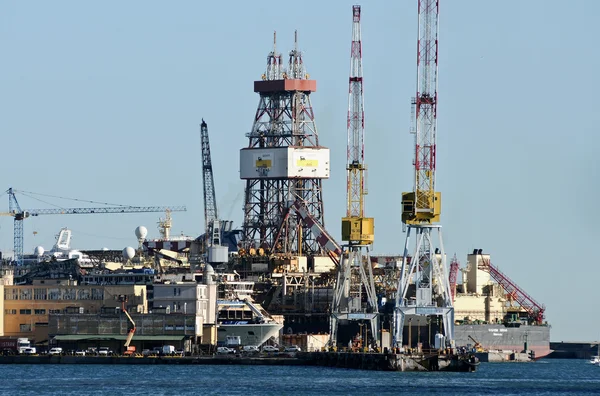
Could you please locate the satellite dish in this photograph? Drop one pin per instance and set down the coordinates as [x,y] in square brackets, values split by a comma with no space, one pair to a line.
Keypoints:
[128,253]
[38,251]
[141,232]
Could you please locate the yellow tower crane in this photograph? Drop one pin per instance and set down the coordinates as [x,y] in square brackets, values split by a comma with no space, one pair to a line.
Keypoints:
[424,288]
[355,274]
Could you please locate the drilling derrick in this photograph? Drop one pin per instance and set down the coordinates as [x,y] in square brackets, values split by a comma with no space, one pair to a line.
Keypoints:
[355,274]
[424,286]
[283,162]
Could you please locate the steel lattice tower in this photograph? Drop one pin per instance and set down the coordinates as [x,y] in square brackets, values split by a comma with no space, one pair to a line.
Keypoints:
[211,216]
[283,162]
[355,274]
[425,270]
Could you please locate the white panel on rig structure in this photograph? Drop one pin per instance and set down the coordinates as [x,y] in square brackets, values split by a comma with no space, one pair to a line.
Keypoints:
[284,162]
[308,162]
[322,264]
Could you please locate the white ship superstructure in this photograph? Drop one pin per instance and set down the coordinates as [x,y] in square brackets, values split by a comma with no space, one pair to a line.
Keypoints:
[247,320]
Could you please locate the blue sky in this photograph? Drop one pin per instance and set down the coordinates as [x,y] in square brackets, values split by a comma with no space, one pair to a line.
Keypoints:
[102,101]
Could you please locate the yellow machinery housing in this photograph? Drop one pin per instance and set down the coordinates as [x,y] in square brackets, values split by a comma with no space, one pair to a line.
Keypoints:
[359,230]
[410,214]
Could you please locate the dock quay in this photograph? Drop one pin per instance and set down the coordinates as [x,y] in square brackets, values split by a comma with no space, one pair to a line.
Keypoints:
[573,350]
[347,360]
[392,361]
[498,356]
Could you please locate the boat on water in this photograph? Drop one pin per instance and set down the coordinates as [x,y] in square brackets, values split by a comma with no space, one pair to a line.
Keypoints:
[238,315]
[246,320]
[499,317]
[497,337]
[596,358]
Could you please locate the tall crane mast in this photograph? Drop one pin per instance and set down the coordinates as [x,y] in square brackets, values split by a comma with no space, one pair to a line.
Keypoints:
[20,215]
[211,217]
[426,268]
[423,204]
[355,274]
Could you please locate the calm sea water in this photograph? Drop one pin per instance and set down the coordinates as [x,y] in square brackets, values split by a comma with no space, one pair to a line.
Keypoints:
[545,377]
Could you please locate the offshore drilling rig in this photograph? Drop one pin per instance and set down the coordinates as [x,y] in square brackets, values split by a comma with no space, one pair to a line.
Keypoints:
[355,274]
[424,288]
[283,162]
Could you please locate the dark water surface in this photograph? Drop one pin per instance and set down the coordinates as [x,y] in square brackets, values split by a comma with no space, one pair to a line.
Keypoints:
[545,377]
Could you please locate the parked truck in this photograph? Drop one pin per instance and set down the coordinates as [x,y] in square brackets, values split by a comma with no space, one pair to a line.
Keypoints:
[14,345]
[167,350]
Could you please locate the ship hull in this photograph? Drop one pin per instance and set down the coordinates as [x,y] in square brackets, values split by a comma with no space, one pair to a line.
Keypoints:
[250,334]
[501,338]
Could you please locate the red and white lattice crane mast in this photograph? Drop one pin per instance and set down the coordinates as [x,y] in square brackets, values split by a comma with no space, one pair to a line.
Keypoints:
[355,274]
[421,207]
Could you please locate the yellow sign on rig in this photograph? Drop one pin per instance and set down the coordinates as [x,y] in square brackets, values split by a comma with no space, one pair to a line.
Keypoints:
[308,163]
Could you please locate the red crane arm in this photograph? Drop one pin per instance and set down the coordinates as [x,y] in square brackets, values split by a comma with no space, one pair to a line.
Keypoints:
[533,308]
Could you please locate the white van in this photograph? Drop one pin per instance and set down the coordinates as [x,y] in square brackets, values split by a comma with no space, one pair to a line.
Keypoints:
[270,348]
[225,350]
[55,351]
[168,350]
[250,349]
[104,351]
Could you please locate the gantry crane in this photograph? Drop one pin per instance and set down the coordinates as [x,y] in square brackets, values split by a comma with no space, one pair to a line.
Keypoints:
[426,268]
[355,274]
[14,210]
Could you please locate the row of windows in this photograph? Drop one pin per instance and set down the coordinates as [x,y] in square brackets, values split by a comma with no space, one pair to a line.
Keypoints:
[114,280]
[28,311]
[200,292]
[53,294]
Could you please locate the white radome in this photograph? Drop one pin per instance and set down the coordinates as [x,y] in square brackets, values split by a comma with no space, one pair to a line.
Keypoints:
[128,253]
[141,232]
[38,251]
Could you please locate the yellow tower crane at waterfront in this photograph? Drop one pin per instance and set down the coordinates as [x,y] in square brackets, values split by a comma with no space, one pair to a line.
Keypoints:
[424,272]
[355,275]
